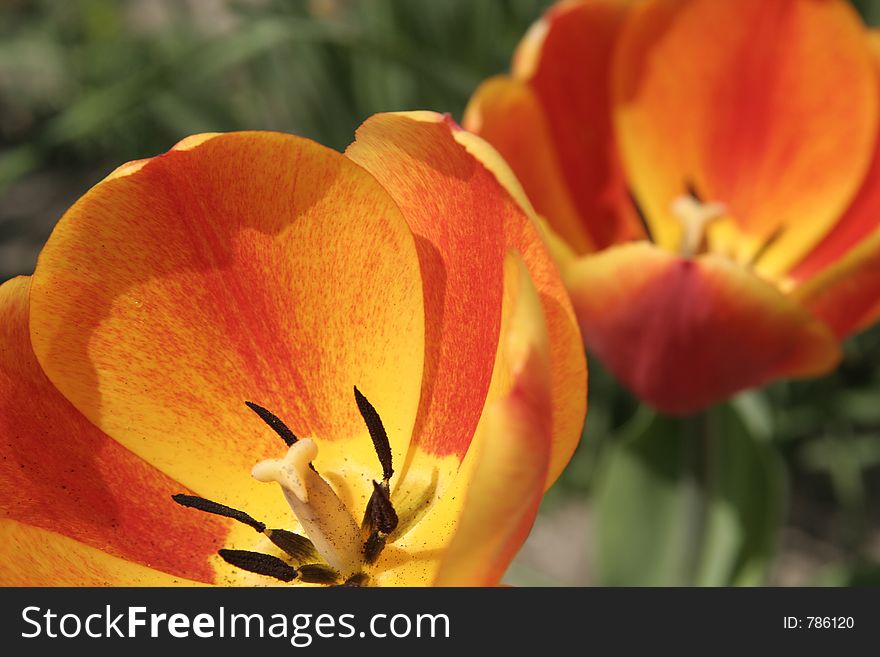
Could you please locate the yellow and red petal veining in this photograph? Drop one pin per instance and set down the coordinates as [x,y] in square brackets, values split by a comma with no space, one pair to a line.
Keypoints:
[741,98]
[645,137]
[504,487]
[861,219]
[567,67]
[60,473]
[684,333]
[518,401]
[857,225]
[33,556]
[532,239]
[247,266]
[505,112]
[846,295]
[456,214]
[460,212]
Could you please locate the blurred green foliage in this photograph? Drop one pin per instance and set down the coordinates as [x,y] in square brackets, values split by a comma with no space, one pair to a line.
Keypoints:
[870,10]
[88,84]
[666,487]
[92,79]
[699,501]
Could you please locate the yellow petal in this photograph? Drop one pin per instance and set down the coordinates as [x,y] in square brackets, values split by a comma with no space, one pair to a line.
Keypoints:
[247,266]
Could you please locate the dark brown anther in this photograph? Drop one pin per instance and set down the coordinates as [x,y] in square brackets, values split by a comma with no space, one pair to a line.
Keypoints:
[315,573]
[298,547]
[259,563]
[356,580]
[200,503]
[770,241]
[274,423]
[377,433]
[641,216]
[382,513]
[691,190]
[373,546]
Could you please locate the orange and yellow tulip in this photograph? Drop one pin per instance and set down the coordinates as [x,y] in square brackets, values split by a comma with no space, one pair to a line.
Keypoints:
[391,313]
[711,173]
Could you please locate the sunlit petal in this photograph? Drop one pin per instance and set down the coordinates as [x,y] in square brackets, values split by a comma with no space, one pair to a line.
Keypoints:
[742,99]
[170,294]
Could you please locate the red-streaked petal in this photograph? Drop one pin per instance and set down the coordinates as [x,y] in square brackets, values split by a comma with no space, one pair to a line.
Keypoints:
[846,296]
[503,474]
[512,451]
[456,214]
[505,112]
[38,557]
[533,240]
[465,222]
[248,266]
[682,334]
[60,473]
[566,61]
[743,99]
[861,218]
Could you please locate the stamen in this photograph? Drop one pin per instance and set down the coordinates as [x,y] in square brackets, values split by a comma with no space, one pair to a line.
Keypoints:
[373,546]
[377,433]
[323,516]
[695,217]
[356,580]
[770,241]
[274,423]
[381,510]
[200,503]
[380,519]
[641,216]
[259,563]
[298,547]
[315,573]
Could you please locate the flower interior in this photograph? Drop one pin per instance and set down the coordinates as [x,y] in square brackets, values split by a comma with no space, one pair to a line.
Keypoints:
[336,549]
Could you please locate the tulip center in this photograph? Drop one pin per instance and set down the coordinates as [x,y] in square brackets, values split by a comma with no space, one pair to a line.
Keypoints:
[695,217]
[324,518]
[335,548]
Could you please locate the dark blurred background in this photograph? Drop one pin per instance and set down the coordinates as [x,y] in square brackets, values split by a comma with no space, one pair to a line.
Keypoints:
[88,84]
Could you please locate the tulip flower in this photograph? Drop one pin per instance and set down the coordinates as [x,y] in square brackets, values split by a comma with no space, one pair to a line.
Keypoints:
[256,360]
[711,172]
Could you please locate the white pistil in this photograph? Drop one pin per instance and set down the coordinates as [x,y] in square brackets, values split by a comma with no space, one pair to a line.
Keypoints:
[695,217]
[323,516]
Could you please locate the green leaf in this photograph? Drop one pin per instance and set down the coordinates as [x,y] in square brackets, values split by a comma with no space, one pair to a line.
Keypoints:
[694,502]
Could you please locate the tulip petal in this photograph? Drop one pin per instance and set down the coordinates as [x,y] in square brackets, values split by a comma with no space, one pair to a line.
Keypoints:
[464,223]
[534,241]
[248,266]
[742,99]
[860,219]
[846,296]
[683,333]
[501,479]
[565,62]
[456,214]
[506,113]
[59,472]
[37,557]
[839,280]
[857,225]
[512,452]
